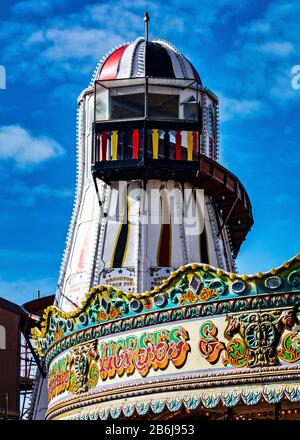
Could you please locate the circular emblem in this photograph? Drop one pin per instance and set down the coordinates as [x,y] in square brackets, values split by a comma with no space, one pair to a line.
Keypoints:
[136,305]
[83,318]
[160,300]
[70,324]
[239,287]
[273,282]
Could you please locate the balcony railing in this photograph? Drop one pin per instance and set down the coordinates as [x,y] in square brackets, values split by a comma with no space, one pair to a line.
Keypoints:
[170,150]
[140,140]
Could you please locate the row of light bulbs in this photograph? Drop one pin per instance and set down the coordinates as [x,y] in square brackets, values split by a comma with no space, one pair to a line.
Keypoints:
[264,414]
[251,416]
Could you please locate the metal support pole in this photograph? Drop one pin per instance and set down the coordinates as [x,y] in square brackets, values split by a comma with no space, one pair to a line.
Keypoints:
[227,218]
[146,21]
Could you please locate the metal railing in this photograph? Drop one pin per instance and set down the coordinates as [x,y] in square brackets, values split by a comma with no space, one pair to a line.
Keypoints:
[136,140]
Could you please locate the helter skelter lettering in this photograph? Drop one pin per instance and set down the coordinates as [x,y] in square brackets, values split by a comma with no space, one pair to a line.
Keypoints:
[83,367]
[151,350]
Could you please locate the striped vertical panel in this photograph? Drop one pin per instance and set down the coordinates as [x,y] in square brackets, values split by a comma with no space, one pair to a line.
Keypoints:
[165,239]
[135,143]
[110,67]
[114,142]
[103,151]
[155,138]
[195,142]
[189,145]
[121,244]
[164,251]
[178,145]
[203,247]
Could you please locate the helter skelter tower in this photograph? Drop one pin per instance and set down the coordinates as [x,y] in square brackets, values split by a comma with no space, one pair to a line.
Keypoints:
[150,319]
[148,130]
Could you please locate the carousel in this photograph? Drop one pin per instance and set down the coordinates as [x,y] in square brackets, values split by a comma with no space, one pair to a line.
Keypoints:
[150,318]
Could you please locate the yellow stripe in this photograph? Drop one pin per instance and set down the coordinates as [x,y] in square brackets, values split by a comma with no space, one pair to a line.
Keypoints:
[189,145]
[155,138]
[114,141]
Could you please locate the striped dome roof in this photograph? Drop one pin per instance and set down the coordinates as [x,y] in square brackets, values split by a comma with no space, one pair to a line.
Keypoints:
[127,61]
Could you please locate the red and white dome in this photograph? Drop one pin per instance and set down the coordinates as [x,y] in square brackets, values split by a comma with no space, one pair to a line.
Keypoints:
[163,60]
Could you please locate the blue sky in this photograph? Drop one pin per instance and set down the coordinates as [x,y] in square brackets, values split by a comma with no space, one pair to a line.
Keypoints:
[243,50]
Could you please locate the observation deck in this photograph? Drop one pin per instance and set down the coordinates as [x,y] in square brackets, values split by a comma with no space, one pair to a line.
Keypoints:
[160,128]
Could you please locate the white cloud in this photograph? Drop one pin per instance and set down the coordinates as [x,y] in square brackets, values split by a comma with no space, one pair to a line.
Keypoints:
[22,290]
[256,27]
[264,52]
[78,42]
[19,193]
[35,38]
[46,191]
[66,46]
[231,108]
[281,88]
[281,49]
[26,149]
[82,34]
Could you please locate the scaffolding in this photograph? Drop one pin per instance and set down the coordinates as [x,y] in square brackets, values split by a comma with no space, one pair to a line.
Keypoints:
[28,373]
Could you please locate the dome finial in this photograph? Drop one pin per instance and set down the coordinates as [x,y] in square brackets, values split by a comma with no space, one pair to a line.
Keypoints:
[146,20]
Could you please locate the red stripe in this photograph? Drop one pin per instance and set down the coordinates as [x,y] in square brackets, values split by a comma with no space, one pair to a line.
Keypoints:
[178,145]
[135,142]
[110,67]
[195,141]
[103,145]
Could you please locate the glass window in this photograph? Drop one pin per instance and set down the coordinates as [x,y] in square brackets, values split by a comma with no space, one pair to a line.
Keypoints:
[190,109]
[163,106]
[132,105]
[127,106]
[101,104]
[125,99]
